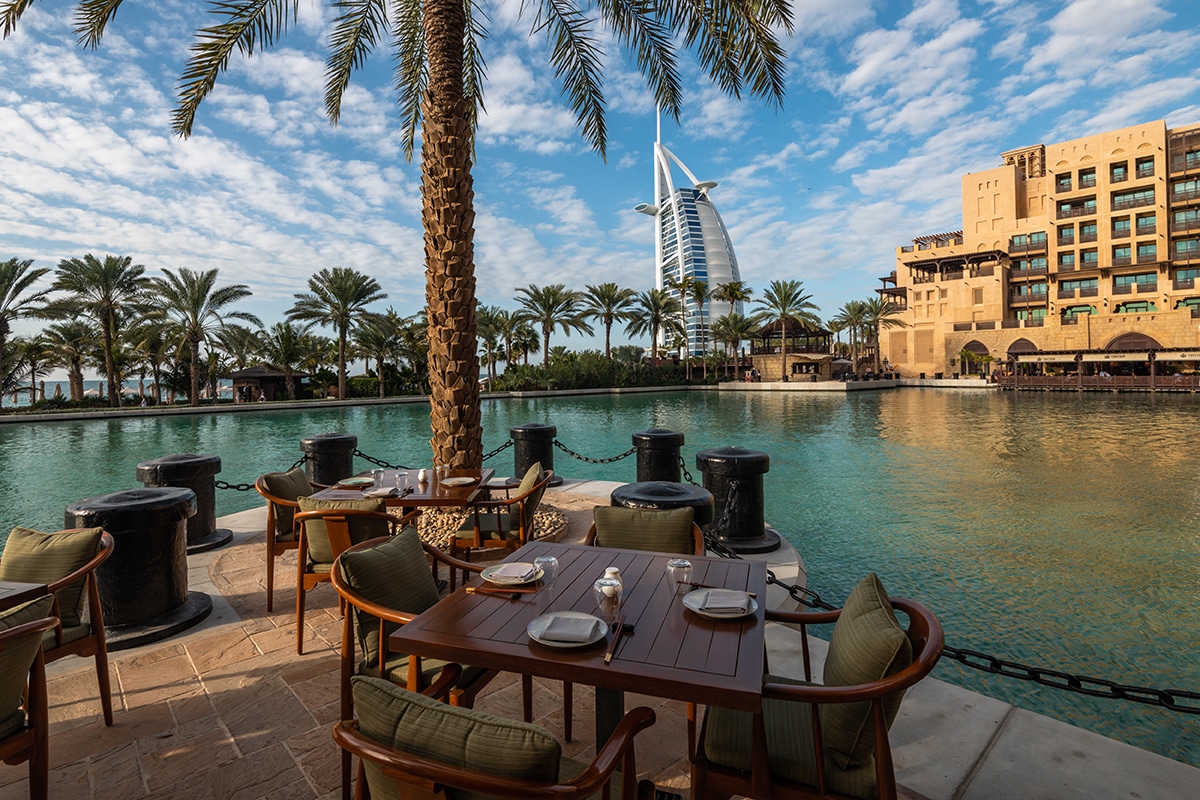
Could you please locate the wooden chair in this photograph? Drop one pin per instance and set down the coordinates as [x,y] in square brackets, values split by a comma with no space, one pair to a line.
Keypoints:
[410,745]
[281,490]
[831,740]
[662,531]
[66,562]
[327,528]
[23,706]
[506,522]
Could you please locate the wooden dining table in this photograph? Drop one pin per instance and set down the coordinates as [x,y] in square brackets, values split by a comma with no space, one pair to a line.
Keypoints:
[13,593]
[672,652]
[434,492]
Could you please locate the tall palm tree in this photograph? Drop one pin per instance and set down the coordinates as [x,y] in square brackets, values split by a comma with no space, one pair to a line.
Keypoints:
[38,356]
[154,347]
[336,299]
[109,292]
[610,304]
[878,313]
[525,340]
[489,328]
[699,295]
[241,344]
[16,299]
[553,306]
[196,309]
[440,79]
[656,310]
[785,302]
[733,292]
[376,337]
[733,329]
[285,348]
[852,317]
[71,343]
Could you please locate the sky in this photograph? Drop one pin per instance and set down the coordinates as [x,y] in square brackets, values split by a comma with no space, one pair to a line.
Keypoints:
[888,104]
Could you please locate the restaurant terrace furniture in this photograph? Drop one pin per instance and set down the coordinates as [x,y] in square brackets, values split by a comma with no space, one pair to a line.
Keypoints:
[281,490]
[24,716]
[327,529]
[66,562]
[670,531]
[830,740]
[409,741]
[506,522]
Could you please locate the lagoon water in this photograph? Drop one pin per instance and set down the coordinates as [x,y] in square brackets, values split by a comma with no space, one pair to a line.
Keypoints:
[1061,531]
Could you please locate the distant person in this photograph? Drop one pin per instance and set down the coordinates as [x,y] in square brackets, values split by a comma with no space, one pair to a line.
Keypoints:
[143,402]
[262,398]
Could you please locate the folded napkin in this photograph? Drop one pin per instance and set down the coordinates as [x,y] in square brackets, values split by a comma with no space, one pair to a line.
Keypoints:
[382,491]
[725,601]
[516,571]
[571,629]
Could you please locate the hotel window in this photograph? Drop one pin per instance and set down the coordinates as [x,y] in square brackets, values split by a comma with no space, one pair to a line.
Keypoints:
[1146,224]
[1191,160]
[1087,283]
[1066,234]
[977,297]
[1132,199]
[1066,261]
[1039,262]
[1062,183]
[1120,227]
[1136,307]
[1087,178]
[1074,311]
[1122,255]
[1032,313]
[1187,248]
[1147,252]
[1038,238]
[942,294]
[1020,265]
[1145,167]
[1088,259]
[1087,231]
[1187,274]
[1032,290]
[1185,190]
[1185,220]
[1119,172]
[1145,282]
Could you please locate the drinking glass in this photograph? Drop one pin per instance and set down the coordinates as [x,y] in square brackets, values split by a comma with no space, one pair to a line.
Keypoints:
[608,598]
[377,478]
[549,567]
[679,575]
[401,480]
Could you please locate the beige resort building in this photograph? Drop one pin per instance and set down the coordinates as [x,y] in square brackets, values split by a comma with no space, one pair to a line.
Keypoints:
[1077,256]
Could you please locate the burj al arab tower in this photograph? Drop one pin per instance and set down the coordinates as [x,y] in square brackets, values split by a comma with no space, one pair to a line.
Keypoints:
[690,240]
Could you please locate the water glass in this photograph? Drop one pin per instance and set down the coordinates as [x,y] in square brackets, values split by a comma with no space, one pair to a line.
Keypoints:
[401,480]
[608,598]
[549,567]
[377,478]
[679,575]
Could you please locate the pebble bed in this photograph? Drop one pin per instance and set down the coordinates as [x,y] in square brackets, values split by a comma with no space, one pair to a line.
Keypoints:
[436,526]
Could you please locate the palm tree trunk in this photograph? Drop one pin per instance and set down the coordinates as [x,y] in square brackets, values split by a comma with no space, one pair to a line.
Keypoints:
[608,339]
[75,379]
[110,365]
[194,365]
[341,365]
[448,216]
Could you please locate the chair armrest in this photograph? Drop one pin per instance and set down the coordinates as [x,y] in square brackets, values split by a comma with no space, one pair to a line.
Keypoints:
[441,687]
[455,563]
[803,617]
[610,756]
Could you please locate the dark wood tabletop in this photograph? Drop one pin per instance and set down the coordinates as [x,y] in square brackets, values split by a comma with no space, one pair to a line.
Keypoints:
[431,493]
[672,653]
[12,593]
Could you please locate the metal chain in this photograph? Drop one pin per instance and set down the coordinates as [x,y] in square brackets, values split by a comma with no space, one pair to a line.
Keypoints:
[237,487]
[499,450]
[687,476]
[376,461]
[1079,684]
[587,460]
[303,458]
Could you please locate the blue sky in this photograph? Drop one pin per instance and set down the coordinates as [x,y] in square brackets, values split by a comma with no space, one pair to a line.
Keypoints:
[888,104]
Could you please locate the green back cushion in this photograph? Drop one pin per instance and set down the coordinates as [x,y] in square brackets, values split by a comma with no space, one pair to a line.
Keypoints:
[393,574]
[319,550]
[35,557]
[530,479]
[421,726]
[290,485]
[16,656]
[645,529]
[867,644]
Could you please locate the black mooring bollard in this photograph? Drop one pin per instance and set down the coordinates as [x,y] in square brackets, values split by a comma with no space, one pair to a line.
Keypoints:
[664,495]
[329,457]
[746,531]
[533,443]
[144,584]
[658,455]
[190,471]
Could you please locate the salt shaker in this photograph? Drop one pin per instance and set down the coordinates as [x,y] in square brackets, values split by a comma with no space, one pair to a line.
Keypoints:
[614,574]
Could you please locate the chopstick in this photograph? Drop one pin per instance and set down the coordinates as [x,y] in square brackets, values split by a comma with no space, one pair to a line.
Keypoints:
[512,593]
[695,585]
[616,637]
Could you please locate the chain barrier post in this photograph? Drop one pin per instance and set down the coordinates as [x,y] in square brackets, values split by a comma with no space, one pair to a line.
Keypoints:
[195,472]
[658,455]
[746,531]
[329,457]
[533,443]
[665,495]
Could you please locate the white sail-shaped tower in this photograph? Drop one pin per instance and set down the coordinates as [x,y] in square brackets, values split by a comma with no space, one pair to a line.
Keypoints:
[690,239]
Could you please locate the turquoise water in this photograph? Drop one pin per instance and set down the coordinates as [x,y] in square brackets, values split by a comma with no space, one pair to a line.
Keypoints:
[1056,530]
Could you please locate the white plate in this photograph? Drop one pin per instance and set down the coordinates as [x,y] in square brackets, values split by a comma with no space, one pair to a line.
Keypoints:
[458,481]
[538,624]
[356,483]
[693,600]
[488,572]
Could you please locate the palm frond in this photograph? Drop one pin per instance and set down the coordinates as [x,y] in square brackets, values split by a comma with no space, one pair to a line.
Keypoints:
[92,18]
[249,25]
[577,61]
[10,13]
[355,34]
[474,67]
[412,68]
[638,28]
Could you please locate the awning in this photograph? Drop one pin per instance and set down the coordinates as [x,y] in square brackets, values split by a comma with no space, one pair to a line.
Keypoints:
[1178,355]
[1044,358]
[1116,356]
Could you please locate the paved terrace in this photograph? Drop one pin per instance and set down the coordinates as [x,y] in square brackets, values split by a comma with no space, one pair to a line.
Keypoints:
[228,710]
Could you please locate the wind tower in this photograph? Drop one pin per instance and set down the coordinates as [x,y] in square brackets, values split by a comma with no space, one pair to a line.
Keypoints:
[690,239]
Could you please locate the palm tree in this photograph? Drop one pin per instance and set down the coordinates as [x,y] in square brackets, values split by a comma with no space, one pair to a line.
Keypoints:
[552,307]
[108,291]
[71,343]
[38,356]
[240,343]
[525,340]
[878,313]
[699,295]
[610,304]
[852,317]
[16,300]
[375,336]
[489,330]
[655,311]
[154,348]
[733,329]
[439,78]
[195,308]
[285,347]
[785,302]
[336,299]
[733,292]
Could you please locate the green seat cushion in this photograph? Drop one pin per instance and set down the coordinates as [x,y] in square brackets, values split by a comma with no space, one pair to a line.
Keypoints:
[35,557]
[867,644]
[645,529]
[12,724]
[290,485]
[16,656]
[728,736]
[319,550]
[491,526]
[395,670]
[393,574]
[71,634]
[461,737]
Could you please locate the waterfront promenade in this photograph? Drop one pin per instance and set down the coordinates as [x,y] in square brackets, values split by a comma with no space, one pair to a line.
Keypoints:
[228,710]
